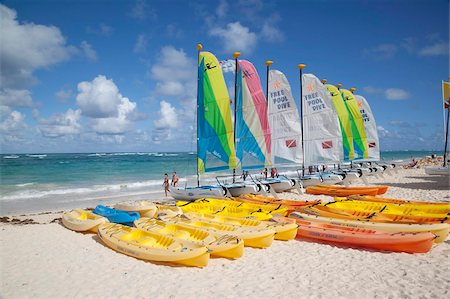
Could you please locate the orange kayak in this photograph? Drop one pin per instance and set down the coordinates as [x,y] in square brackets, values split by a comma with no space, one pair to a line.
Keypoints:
[333,190]
[392,200]
[363,238]
[326,211]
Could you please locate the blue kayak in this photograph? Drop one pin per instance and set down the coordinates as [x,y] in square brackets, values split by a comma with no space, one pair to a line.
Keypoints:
[117,216]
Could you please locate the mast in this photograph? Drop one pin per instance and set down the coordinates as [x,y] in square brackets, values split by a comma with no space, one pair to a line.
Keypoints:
[301,67]
[236,56]
[199,48]
[446,107]
[352,90]
[268,63]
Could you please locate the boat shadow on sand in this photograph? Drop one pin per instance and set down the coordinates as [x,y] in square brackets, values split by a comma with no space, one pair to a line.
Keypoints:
[428,183]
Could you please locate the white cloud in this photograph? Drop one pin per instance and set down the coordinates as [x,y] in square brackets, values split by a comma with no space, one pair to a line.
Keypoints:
[222,9]
[383,132]
[235,37]
[99,98]
[13,122]
[62,95]
[119,124]
[174,72]
[228,66]
[141,12]
[61,124]
[16,97]
[270,31]
[168,117]
[436,49]
[383,51]
[88,51]
[396,94]
[27,47]
[141,44]
[168,120]
[103,29]
[170,88]
[389,93]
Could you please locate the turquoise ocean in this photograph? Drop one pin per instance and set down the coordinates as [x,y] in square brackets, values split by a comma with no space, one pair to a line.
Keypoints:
[50,180]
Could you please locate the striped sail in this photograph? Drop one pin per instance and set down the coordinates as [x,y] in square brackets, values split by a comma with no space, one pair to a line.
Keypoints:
[370,127]
[322,132]
[284,120]
[253,141]
[357,124]
[345,120]
[214,128]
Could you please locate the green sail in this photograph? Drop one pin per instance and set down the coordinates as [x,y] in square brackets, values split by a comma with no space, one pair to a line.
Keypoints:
[345,121]
[357,124]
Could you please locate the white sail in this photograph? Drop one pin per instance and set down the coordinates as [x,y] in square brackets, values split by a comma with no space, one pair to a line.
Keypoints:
[283,119]
[371,128]
[322,132]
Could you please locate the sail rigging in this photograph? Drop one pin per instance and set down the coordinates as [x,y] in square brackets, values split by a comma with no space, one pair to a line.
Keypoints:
[322,133]
[253,137]
[370,127]
[216,149]
[344,121]
[356,121]
[284,120]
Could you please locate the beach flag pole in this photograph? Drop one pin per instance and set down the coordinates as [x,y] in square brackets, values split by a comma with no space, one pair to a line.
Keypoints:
[236,56]
[338,86]
[199,48]
[352,90]
[300,68]
[446,98]
[268,63]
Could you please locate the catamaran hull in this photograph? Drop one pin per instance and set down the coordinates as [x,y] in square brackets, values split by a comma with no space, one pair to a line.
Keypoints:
[196,193]
[311,181]
[279,185]
[241,189]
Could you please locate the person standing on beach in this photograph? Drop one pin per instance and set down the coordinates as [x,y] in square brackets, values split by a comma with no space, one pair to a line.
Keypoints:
[166,183]
[273,172]
[174,179]
[264,173]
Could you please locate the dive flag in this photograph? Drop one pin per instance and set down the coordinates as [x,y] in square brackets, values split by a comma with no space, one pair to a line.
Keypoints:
[327,144]
[290,143]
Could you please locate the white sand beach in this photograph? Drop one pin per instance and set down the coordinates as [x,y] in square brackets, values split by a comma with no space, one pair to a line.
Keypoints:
[42,259]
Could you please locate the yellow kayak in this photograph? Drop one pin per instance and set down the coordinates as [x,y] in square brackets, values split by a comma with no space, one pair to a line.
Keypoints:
[82,220]
[274,209]
[441,230]
[152,246]
[227,246]
[211,208]
[391,208]
[283,231]
[258,237]
[145,208]
[166,211]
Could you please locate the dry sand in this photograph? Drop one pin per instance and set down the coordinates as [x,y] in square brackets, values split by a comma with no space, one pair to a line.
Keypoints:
[42,259]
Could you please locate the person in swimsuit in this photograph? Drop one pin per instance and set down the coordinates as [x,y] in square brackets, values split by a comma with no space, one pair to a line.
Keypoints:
[166,183]
[174,179]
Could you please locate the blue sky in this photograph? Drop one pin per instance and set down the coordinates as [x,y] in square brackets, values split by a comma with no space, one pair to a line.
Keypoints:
[95,76]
